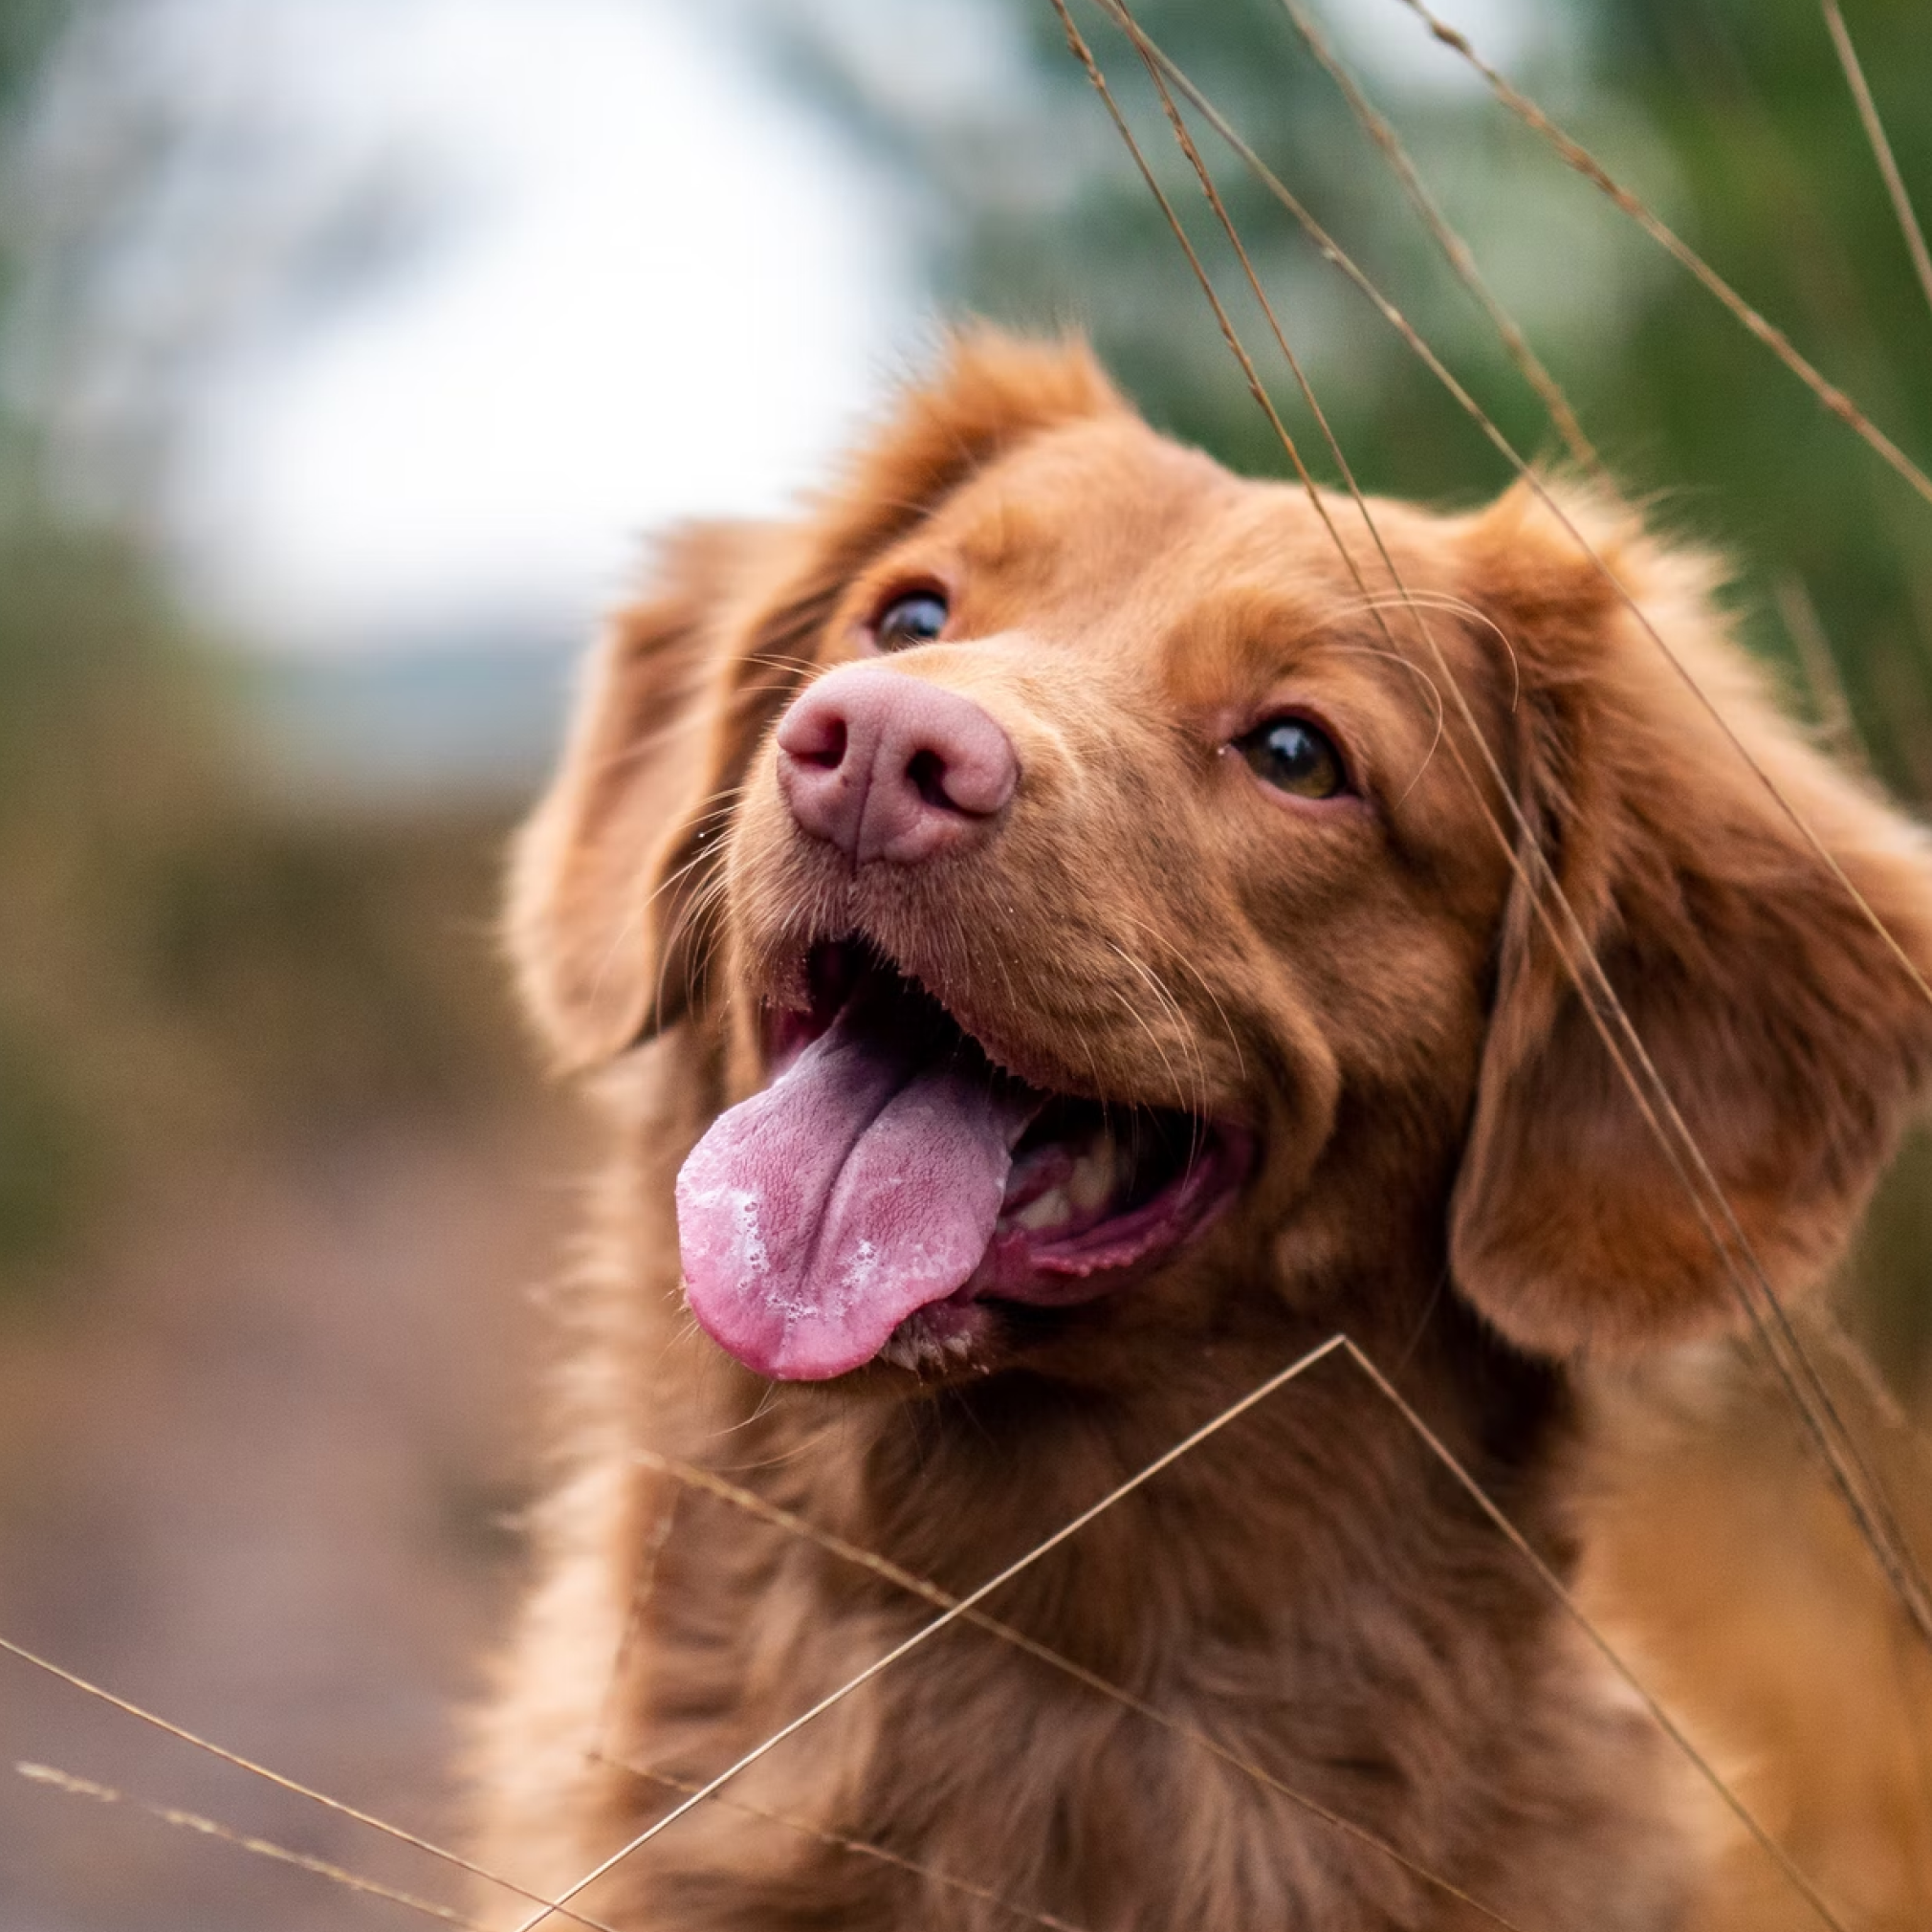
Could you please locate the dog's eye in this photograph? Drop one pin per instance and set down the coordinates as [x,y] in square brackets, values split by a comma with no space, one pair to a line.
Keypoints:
[917,617]
[1294,755]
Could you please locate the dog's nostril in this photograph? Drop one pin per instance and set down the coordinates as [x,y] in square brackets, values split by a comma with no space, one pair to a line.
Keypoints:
[926,771]
[829,753]
[816,736]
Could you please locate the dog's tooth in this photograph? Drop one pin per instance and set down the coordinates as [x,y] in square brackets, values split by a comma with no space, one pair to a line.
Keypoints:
[1047,1212]
[1091,1184]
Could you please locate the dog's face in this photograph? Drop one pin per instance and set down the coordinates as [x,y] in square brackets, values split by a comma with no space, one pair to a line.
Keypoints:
[1106,850]
[1119,915]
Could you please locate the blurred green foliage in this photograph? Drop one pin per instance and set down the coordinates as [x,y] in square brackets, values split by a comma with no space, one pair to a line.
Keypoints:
[1780,192]
[94,764]
[185,966]
[1730,116]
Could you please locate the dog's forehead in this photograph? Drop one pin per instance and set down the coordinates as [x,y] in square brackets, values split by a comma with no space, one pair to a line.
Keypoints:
[1109,535]
[1094,504]
[1112,509]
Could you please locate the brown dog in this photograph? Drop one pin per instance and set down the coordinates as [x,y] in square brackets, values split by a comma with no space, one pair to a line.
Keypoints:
[1082,971]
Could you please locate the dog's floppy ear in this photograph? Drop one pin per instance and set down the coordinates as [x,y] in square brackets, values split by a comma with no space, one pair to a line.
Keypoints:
[1790,1037]
[607,912]
[598,924]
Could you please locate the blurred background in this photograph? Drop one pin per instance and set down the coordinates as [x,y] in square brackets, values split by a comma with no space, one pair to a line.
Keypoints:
[347,350]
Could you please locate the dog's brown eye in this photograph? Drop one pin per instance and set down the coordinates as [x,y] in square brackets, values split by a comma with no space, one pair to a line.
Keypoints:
[917,618]
[1294,755]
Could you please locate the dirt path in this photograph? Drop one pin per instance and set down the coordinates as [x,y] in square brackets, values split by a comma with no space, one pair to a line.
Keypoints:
[256,1478]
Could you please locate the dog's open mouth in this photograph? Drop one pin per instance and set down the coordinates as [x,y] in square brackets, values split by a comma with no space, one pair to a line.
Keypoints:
[890,1180]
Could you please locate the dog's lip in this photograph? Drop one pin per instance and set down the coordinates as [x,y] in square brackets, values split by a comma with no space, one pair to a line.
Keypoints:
[795,1012]
[1098,1254]
[964,1335]
[800,1011]
[1088,1261]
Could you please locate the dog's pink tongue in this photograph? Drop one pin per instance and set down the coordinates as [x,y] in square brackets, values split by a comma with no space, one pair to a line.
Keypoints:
[860,1185]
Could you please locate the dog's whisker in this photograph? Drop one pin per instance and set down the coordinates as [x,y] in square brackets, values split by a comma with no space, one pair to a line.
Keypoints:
[1170,1007]
[696,921]
[807,1445]
[1166,996]
[1434,693]
[1200,980]
[1147,932]
[780,661]
[631,930]
[1176,1085]
[1461,606]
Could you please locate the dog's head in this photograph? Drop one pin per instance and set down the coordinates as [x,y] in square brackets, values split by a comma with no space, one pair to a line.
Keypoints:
[1117,909]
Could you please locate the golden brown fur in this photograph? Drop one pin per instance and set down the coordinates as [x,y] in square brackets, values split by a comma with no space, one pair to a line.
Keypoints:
[1730,1571]
[1448,1169]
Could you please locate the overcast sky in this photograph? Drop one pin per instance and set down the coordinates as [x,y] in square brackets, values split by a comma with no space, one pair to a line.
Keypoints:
[656,284]
[667,291]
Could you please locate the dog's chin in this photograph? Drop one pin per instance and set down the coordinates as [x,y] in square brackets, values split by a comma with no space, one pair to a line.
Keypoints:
[895,1199]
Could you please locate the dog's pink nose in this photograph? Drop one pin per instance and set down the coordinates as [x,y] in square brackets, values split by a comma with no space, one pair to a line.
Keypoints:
[886,766]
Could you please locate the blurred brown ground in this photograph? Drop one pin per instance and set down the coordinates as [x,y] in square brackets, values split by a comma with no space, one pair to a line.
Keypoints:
[263,1403]
[262,1484]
